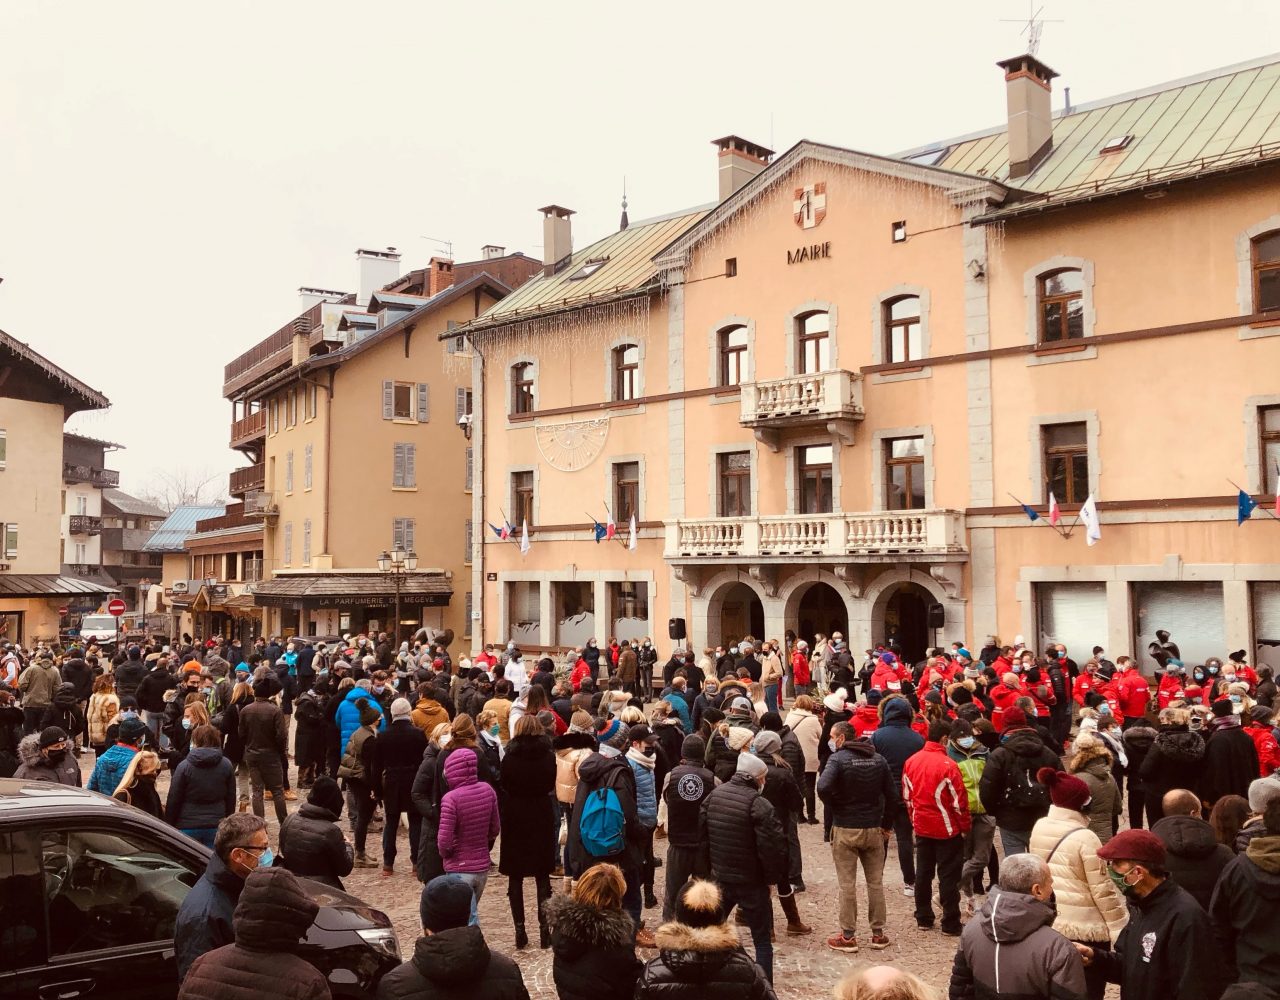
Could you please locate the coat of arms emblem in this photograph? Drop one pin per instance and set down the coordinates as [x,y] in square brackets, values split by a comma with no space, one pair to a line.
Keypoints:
[810,206]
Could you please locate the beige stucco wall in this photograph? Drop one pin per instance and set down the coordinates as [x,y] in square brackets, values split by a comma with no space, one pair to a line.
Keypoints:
[31,482]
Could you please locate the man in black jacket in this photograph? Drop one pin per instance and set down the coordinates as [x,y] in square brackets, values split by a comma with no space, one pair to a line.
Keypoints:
[747,849]
[129,674]
[1230,757]
[688,785]
[400,751]
[1008,787]
[1166,950]
[1246,906]
[1193,856]
[857,788]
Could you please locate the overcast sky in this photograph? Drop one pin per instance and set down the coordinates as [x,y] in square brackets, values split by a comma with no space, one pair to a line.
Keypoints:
[168,179]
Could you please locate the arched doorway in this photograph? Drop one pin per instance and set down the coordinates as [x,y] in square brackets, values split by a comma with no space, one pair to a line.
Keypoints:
[741,613]
[823,610]
[906,621]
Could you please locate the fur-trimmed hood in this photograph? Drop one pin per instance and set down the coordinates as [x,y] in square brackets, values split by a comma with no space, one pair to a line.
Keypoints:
[577,928]
[676,939]
[1085,755]
[29,750]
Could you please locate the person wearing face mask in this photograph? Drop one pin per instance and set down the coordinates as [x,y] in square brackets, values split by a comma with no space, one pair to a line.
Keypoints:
[1167,949]
[971,757]
[1230,757]
[202,791]
[1011,949]
[204,920]
[1171,684]
[45,756]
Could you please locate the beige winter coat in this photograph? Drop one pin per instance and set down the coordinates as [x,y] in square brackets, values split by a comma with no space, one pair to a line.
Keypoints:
[1090,908]
[567,762]
[808,730]
[771,670]
[1092,765]
[102,709]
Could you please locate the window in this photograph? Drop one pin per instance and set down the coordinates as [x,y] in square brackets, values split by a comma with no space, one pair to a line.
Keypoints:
[902,329]
[402,531]
[288,542]
[275,416]
[1269,426]
[288,471]
[629,611]
[735,483]
[626,372]
[733,355]
[461,403]
[898,231]
[468,540]
[1116,143]
[402,405]
[404,473]
[1066,461]
[469,481]
[291,418]
[81,553]
[731,267]
[312,408]
[626,491]
[1061,306]
[814,473]
[82,504]
[4,448]
[306,467]
[1266,272]
[467,610]
[904,473]
[589,268]
[405,401]
[522,497]
[306,542]
[522,387]
[813,333]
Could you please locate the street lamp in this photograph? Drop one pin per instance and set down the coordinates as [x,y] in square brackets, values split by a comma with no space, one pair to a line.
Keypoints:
[397,564]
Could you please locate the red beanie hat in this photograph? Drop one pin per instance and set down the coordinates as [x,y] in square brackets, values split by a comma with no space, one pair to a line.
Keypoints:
[1065,790]
[1015,718]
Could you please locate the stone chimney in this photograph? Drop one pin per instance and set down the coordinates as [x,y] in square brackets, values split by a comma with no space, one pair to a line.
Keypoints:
[557,236]
[378,268]
[300,341]
[491,252]
[313,296]
[439,275]
[1028,89]
[740,160]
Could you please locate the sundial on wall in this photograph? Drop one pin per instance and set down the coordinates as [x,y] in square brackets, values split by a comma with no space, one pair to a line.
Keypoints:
[571,446]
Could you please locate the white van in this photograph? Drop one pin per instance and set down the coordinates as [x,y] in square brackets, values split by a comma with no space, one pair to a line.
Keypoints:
[98,628]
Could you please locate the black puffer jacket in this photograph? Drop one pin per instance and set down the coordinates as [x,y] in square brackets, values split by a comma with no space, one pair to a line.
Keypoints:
[400,751]
[78,674]
[312,845]
[793,753]
[701,963]
[128,676]
[34,766]
[1193,856]
[454,965]
[596,772]
[1175,760]
[64,712]
[594,951]
[202,792]
[745,839]
[857,787]
[1015,761]
[721,758]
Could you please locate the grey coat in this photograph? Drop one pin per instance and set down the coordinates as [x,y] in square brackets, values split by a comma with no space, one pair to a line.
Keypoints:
[1092,765]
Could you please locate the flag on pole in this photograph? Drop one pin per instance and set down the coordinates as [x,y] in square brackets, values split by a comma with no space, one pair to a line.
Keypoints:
[1245,505]
[524,537]
[598,530]
[1089,515]
[496,530]
[610,529]
[1055,512]
[631,542]
[1030,512]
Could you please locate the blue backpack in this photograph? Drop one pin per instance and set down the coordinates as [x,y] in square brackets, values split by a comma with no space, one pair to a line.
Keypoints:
[602,825]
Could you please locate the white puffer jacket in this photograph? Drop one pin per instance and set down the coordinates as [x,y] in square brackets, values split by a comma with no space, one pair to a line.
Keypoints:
[1090,907]
[808,730]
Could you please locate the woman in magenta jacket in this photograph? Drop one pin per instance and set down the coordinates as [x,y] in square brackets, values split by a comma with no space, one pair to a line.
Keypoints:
[469,823]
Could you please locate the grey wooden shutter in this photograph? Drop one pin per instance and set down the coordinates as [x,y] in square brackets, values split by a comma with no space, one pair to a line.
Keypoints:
[388,400]
[410,458]
[470,469]
[424,402]
[409,525]
[306,468]
[288,542]
[469,537]
[397,532]
[288,471]
[306,540]
[397,465]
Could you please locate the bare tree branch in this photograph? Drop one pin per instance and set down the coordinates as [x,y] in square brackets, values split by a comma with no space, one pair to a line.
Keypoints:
[186,486]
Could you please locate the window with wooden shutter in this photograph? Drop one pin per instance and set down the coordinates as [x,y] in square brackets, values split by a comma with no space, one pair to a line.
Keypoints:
[397,532]
[404,460]
[410,462]
[424,402]
[397,465]
[288,542]
[461,403]
[409,531]
[466,558]
[11,541]
[388,399]
[306,541]
[466,624]
[288,471]
[306,468]
[470,471]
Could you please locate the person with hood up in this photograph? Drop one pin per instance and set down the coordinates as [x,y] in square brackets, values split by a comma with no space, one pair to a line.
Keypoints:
[866,717]
[1193,856]
[202,792]
[1230,757]
[699,957]
[452,961]
[1245,907]
[1259,726]
[1175,760]
[110,768]
[45,756]
[65,711]
[1009,790]
[594,955]
[1091,763]
[1089,909]
[311,842]
[896,741]
[469,823]
[269,923]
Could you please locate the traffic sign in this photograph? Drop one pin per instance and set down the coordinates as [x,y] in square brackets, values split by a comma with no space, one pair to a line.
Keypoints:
[64,611]
[116,607]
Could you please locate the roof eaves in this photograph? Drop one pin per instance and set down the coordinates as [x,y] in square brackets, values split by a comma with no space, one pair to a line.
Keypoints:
[59,375]
[560,306]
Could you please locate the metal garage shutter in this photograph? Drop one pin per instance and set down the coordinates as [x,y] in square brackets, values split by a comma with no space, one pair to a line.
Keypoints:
[1074,614]
[1266,624]
[1190,612]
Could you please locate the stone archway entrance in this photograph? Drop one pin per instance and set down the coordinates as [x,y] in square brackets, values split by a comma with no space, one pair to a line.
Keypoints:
[741,613]
[906,622]
[823,610]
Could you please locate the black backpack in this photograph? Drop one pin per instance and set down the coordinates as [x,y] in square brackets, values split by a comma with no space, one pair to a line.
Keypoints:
[1024,792]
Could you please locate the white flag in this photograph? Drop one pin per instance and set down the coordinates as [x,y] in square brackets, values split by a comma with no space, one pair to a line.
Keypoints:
[524,537]
[631,542]
[1089,515]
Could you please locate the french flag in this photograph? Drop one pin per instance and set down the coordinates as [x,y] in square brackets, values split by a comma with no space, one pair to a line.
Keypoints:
[610,529]
[1055,512]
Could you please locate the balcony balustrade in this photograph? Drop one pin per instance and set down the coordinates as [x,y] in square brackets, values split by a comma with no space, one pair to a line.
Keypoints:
[84,524]
[832,399]
[926,532]
[247,480]
[248,429]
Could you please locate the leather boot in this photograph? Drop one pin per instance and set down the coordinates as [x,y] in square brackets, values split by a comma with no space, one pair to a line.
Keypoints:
[544,934]
[522,939]
[794,924]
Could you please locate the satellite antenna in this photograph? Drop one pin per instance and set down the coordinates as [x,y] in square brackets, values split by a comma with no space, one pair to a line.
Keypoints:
[1033,26]
[447,244]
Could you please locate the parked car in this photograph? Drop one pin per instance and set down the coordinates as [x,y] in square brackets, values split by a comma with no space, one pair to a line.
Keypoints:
[90,890]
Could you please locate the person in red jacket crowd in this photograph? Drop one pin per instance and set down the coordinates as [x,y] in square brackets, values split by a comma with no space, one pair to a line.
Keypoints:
[1133,692]
[800,676]
[1106,687]
[1171,684]
[1003,696]
[1239,659]
[1040,691]
[887,669]
[938,668]
[1259,721]
[1003,664]
[936,800]
[866,717]
[1085,682]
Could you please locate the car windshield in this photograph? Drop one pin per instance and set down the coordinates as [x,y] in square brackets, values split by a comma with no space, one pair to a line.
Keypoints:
[98,623]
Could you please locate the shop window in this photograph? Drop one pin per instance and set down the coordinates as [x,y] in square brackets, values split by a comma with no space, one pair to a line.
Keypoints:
[575,612]
[629,605]
[524,612]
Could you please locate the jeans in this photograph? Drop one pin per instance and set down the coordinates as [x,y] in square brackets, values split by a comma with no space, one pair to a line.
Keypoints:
[683,863]
[360,803]
[945,857]
[1014,841]
[242,781]
[265,771]
[154,721]
[977,849]
[204,835]
[771,697]
[757,907]
[851,846]
[905,837]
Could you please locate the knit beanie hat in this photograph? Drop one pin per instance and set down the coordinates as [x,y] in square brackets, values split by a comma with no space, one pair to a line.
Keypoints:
[580,722]
[699,905]
[368,713]
[1262,715]
[1015,718]
[401,709]
[446,903]
[836,700]
[326,794]
[740,737]
[1262,791]
[693,748]
[771,721]
[50,736]
[752,765]
[621,737]
[874,696]
[132,729]
[1221,708]
[766,744]
[1065,790]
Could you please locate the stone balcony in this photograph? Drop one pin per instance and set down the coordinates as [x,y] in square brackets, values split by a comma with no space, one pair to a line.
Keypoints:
[864,536]
[831,399]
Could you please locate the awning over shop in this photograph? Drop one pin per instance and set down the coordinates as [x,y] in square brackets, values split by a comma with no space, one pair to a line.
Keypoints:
[51,585]
[336,590]
[241,602]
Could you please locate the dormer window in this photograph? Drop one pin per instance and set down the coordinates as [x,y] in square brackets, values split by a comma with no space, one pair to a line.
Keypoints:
[589,268]
[1115,144]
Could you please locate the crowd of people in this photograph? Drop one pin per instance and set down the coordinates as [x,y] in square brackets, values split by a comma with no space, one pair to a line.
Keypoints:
[1070,823]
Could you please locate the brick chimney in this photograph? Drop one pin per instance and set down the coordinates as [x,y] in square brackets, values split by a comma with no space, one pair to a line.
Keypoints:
[557,236]
[1028,89]
[439,275]
[739,161]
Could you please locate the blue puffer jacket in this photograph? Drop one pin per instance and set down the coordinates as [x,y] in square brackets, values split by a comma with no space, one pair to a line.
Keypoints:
[895,740]
[646,795]
[349,715]
[109,770]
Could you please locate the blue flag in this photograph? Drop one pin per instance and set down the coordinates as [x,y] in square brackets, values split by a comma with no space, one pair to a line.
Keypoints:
[599,531]
[1027,509]
[1245,506]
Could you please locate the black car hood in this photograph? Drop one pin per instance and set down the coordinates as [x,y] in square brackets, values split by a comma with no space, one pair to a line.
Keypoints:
[340,911]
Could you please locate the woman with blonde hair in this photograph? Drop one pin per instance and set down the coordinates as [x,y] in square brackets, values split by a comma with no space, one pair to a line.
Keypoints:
[138,784]
[104,703]
[803,721]
[232,744]
[593,938]
[883,982]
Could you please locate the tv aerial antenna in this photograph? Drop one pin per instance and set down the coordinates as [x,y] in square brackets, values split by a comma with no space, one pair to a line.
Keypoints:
[1032,25]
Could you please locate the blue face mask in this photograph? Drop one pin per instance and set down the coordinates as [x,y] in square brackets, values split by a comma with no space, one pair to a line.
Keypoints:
[832,746]
[1213,670]
[1235,698]
[266,858]
[1017,668]
[966,741]
[186,723]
